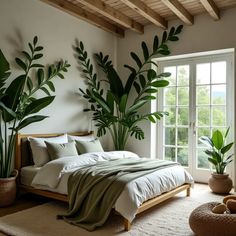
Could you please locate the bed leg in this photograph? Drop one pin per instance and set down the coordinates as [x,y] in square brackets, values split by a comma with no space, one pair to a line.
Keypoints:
[188,191]
[127,225]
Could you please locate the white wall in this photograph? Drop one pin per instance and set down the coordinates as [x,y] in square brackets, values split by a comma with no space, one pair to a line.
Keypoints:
[20,21]
[204,35]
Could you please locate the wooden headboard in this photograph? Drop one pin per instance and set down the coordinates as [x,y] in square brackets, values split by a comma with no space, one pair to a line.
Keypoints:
[23,155]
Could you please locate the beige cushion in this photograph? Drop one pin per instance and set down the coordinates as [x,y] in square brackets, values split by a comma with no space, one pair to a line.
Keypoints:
[58,150]
[89,146]
[39,149]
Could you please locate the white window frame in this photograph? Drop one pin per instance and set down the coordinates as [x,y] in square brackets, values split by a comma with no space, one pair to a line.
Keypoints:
[192,59]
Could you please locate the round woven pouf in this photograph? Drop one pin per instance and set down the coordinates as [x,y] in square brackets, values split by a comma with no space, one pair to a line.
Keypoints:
[204,222]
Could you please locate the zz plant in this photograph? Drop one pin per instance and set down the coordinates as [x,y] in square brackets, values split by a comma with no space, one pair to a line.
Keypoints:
[18,103]
[114,109]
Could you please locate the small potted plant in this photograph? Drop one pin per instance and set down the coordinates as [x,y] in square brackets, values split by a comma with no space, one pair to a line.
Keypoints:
[219,182]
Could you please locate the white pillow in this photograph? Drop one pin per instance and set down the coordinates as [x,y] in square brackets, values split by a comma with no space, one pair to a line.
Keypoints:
[39,148]
[84,138]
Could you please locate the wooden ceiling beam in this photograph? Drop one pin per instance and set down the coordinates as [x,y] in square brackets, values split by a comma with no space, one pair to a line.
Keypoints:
[146,12]
[179,10]
[212,9]
[86,16]
[112,14]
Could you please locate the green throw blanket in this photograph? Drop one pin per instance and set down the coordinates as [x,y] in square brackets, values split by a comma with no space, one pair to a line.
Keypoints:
[94,190]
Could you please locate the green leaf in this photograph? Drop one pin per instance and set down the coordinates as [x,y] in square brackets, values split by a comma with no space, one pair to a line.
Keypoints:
[151,90]
[26,54]
[179,29]
[35,40]
[130,68]
[129,83]
[40,76]
[173,38]
[4,68]
[164,37]
[136,59]
[37,56]
[206,140]
[160,83]
[110,101]
[123,102]
[29,84]
[8,110]
[137,87]
[14,91]
[29,121]
[145,51]
[217,139]
[115,82]
[38,105]
[39,48]
[151,74]
[226,148]
[213,161]
[31,47]
[155,43]
[227,132]
[165,74]
[136,106]
[21,64]
[151,119]
[51,86]
[45,91]
[142,81]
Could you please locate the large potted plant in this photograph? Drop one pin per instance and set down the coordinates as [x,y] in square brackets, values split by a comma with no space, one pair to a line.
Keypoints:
[219,182]
[113,107]
[19,105]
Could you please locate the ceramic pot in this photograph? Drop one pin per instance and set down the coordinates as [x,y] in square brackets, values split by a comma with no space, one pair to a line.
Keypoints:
[8,189]
[220,183]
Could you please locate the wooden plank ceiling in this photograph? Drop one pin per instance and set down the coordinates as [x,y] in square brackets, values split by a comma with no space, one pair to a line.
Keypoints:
[116,16]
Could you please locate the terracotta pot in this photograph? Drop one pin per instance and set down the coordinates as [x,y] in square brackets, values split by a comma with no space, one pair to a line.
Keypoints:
[220,183]
[8,189]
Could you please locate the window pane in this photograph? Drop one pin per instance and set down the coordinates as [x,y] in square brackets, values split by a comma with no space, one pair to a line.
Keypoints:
[218,94]
[170,119]
[170,153]
[183,75]
[203,95]
[203,73]
[219,116]
[183,114]
[203,116]
[182,156]
[172,78]
[183,96]
[203,132]
[182,137]
[218,72]
[170,96]
[170,136]
[202,159]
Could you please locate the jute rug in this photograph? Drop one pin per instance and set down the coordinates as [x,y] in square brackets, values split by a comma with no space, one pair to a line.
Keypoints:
[169,218]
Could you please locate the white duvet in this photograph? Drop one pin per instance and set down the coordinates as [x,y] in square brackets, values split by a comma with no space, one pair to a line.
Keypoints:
[54,175]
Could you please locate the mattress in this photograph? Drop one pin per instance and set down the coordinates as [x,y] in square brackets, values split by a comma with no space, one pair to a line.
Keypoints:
[27,174]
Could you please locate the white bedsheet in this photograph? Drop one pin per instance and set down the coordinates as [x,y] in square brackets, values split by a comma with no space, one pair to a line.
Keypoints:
[54,176]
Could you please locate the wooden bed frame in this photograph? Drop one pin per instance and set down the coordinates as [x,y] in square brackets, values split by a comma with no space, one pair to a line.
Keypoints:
[19,163]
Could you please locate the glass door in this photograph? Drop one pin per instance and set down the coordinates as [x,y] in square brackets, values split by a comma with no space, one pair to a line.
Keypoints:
[198,100]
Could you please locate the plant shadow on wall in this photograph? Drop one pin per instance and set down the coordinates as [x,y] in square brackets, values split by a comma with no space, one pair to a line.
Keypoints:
[18,101]
[114,109]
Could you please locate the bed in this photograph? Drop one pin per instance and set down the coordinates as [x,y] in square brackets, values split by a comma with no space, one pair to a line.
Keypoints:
[27,172]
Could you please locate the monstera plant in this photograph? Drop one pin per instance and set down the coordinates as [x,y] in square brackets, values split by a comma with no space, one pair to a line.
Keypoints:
[18,101]
[116,109]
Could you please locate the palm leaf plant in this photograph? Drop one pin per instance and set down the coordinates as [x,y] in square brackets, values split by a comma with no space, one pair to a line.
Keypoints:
[218,149]
[18,101]
[115,110]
